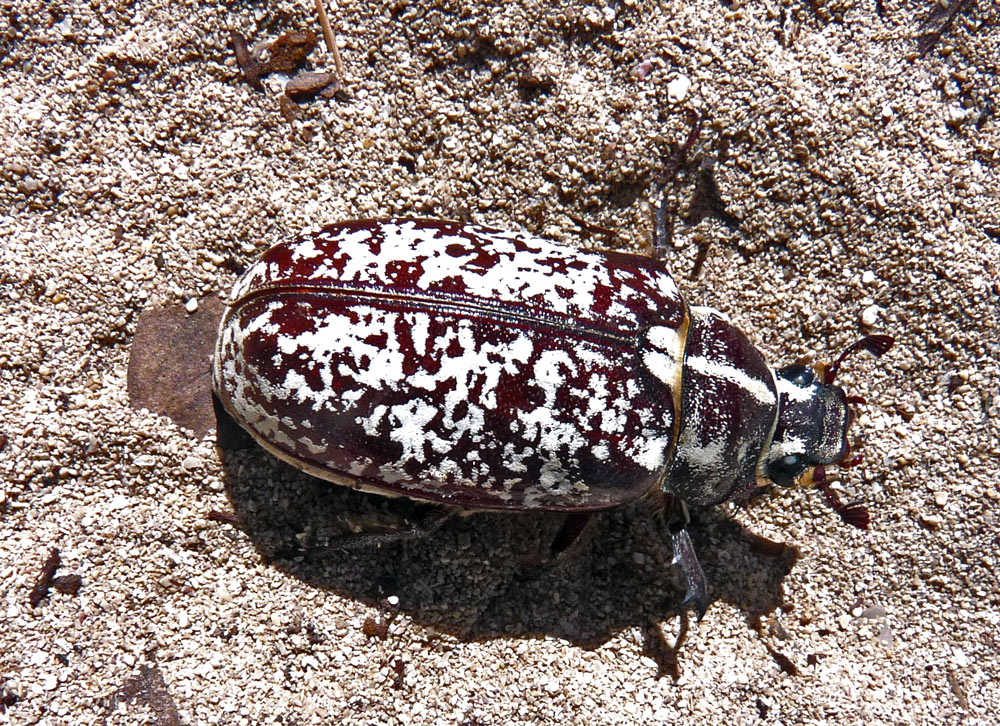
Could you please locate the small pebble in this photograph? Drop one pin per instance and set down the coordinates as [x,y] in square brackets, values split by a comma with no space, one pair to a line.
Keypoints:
[677,89]
[870,315]
[191,305]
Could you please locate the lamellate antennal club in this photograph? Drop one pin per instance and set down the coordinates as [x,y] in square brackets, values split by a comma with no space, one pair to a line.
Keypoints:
[491,370]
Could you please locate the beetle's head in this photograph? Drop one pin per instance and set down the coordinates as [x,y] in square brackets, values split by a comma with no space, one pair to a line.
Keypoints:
[814,416]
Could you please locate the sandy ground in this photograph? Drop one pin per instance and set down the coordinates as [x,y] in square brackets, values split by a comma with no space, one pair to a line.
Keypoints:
[139,171]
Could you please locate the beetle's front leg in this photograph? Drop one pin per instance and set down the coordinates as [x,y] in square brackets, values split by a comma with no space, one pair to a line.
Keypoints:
[692,576]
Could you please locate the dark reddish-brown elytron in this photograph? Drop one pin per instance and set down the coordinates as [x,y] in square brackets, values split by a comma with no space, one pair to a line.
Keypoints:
[493,370]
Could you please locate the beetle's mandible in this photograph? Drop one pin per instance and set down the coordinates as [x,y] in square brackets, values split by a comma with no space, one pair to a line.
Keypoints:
[491,370]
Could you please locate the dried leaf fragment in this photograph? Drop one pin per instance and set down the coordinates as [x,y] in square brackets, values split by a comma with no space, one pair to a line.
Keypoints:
[308,84]
[289,51]
[68,584]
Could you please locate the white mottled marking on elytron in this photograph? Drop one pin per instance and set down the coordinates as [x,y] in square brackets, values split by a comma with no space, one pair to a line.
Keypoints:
[542,425]
[793,392]
[666,285]
[418,334]
[549,375]
[359,466]
[613,421]
[514,459]
[305,249]
[515,276]
[597,388]
[391,475]
[411,429]
[593,356]
[652,451]
[356,257]
[295,383]
[372,423]
[754,386]
[619,310]
[552,480]
[600,451]
[375,367]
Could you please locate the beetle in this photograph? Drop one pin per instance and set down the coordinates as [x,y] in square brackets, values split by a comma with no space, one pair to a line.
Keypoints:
[491,370]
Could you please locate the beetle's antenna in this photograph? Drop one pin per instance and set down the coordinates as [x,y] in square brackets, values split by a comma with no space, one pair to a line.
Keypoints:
[875,344]
[854,514]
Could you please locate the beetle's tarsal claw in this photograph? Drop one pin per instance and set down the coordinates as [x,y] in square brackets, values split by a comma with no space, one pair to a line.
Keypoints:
[693,577]
[855,515]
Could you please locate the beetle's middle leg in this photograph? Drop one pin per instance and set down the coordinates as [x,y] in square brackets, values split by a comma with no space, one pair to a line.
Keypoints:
[675,519]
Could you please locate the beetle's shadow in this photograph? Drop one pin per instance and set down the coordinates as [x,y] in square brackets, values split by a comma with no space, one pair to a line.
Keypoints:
[469,577]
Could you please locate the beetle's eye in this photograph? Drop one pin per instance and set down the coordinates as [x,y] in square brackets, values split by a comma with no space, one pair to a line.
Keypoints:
[801,376]
[784,470]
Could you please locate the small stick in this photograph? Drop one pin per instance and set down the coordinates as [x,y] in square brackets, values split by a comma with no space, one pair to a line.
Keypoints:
[328,36]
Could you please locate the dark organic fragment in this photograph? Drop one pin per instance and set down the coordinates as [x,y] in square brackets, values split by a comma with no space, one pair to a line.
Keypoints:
[378,627]
[7,699]
[224,518]
[284,55]
[44,580]
[68,584]
[673,162]
[149,688]
[248,65]
[289,109]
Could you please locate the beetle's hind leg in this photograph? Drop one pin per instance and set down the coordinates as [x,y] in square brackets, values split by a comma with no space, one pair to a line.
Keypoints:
[430,522]
[675,520]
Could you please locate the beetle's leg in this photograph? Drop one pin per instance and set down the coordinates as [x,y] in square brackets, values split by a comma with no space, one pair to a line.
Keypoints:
[423,527]
[672,163]
[573,534]
[743,490]
[570,536]
[692,576]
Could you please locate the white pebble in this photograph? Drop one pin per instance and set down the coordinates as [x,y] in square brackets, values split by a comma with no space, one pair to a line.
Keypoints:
[191,305]
[870,315]
[677,89]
